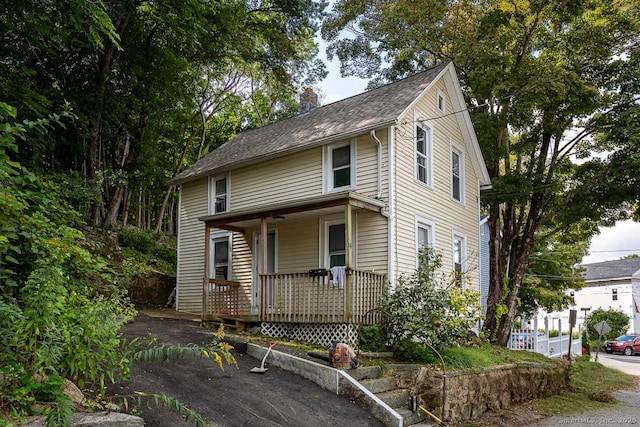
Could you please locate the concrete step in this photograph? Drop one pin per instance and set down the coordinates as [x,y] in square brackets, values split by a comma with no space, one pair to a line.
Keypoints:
[380,385]
[398,398]
[415,419]
[365,372]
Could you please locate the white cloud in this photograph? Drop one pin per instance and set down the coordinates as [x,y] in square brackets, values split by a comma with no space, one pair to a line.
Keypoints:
[614,242]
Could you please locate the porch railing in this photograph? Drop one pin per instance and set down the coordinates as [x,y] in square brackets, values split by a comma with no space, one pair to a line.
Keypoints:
[310,298]
[220,297]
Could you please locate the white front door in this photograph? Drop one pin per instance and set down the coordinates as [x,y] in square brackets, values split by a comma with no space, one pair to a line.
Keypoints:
[272,236]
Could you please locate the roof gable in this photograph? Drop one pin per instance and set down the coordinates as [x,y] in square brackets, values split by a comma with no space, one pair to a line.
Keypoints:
[361,113]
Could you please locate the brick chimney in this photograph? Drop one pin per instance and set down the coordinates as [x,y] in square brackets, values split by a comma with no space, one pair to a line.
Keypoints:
[308,100]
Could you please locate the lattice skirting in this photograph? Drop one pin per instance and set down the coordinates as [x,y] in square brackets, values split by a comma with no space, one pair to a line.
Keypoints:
[316,333]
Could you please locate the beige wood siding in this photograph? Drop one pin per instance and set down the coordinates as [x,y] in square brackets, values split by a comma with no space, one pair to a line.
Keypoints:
[241,269]
[435,204]
[287,178]
[300,175]
[371,242]
[190,274]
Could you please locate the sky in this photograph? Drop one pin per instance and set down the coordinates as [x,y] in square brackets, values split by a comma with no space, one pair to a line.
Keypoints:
[612,243]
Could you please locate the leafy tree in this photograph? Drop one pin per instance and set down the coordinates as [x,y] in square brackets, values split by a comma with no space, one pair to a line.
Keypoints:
[551,273]
[140,77]
[618,321]
[544,81]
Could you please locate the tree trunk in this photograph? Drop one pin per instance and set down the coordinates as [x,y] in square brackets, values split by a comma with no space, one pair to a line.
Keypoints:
[114,205]
[127,206]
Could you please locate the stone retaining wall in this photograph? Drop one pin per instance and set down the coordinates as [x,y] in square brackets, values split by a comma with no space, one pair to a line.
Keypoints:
[470,393]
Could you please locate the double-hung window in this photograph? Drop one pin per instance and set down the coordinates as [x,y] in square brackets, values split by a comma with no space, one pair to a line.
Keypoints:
[424,238]
[459,256]
[339,167]
[457,173]
[423,154]
[218,195]
[220,256]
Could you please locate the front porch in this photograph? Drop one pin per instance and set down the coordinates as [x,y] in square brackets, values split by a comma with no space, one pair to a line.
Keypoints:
[309,297]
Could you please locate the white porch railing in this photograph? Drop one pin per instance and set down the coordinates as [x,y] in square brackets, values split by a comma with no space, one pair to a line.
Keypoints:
[533,339]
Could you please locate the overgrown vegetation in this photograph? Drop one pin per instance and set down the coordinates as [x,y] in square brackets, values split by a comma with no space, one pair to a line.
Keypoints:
[61,307]
[425,307]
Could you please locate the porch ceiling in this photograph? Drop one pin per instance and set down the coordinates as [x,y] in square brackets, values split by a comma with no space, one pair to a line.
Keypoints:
[326,204]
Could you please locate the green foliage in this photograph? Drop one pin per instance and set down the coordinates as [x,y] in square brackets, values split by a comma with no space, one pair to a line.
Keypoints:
[617,320]
[425,307]
[61,312]
[372,338]
[146,243]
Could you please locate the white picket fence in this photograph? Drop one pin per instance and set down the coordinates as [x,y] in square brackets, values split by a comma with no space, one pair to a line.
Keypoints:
[532,339]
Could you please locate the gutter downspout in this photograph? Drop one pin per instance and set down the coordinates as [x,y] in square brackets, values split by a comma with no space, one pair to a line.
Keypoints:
[390,213]
[377,141]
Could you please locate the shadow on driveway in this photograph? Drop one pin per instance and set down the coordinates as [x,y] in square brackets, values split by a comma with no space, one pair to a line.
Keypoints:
[233,397]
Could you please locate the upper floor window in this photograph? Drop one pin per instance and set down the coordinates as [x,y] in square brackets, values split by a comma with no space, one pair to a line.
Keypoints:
[339,167]
[423,154]
[219,195]
[457,173]
[614,295]
[459,256]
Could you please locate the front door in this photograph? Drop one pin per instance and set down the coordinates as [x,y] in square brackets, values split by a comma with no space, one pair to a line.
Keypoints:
[257,265]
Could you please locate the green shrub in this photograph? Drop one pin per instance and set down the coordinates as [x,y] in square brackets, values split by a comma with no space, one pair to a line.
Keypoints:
[372,338]
[618,321]
[423,307]
[140,240]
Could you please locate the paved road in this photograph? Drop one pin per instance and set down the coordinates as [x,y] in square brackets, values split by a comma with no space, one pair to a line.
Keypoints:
[234,397]
[627,413]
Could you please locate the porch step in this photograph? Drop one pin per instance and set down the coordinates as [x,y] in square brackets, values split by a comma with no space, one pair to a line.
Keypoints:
[396,398]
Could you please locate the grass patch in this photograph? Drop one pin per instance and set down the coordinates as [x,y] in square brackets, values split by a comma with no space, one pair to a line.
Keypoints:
[590,388]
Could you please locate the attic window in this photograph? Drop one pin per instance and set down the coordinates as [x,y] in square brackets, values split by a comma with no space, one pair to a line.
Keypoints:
[441,102]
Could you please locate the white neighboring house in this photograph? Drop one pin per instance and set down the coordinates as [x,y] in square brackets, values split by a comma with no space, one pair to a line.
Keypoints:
[611,285]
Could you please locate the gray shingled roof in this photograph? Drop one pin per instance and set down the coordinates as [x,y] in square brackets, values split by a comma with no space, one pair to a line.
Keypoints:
[375,108]
[621,268]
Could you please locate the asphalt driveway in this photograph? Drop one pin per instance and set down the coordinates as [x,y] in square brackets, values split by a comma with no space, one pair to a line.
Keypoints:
[233,397]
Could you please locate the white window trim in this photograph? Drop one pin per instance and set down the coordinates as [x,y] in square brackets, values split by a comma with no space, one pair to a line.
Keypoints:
[327,166]
[425,124]
[325,222]
[459,150]
[212,196]
[460,235]
[440,95]
[420,220]
[218,235]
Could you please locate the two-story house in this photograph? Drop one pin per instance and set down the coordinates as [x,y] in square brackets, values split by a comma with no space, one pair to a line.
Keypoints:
[306,222]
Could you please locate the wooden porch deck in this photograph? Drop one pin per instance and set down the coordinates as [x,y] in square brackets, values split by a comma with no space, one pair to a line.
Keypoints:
[309,297]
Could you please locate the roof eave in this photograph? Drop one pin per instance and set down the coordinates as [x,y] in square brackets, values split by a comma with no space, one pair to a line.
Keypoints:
[258,159]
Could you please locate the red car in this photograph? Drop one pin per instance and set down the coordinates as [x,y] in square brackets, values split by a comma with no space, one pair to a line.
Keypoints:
[627,344]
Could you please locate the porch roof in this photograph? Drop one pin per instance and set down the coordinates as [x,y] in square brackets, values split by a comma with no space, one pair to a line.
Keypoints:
[238,220]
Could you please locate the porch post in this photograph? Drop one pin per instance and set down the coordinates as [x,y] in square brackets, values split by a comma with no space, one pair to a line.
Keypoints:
[348,230]
[207,255]
[263,233]
[263,261]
